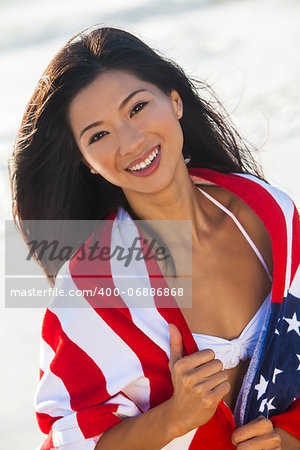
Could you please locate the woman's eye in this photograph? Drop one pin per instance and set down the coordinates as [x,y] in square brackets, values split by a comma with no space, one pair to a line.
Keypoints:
[137,108]
[96,137]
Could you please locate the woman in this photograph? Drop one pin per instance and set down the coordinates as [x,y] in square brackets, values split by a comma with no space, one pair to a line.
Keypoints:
[116,131]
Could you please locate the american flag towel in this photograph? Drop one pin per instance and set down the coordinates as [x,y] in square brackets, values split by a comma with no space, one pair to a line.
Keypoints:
[99,365]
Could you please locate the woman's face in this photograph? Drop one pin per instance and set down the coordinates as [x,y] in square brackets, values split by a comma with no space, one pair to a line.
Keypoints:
[128,131]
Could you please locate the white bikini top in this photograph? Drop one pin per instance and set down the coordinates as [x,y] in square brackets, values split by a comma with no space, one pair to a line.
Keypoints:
[241,348]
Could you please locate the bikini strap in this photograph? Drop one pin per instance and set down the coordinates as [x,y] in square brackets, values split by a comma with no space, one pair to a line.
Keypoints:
[216,202]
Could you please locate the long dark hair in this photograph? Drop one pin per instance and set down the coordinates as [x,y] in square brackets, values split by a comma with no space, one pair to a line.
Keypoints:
[48,177]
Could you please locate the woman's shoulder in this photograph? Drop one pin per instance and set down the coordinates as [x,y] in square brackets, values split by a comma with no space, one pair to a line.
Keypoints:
[246,216]
[222,195]
[237,206]
[265,193]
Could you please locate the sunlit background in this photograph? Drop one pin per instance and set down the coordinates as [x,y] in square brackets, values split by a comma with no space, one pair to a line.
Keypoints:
[248,50]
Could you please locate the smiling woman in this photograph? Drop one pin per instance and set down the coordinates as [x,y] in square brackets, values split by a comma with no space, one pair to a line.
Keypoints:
[46,130]
[116,131]
[140,122]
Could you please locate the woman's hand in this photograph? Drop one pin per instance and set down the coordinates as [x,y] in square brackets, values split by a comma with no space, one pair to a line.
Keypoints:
[199,385]
[258,434]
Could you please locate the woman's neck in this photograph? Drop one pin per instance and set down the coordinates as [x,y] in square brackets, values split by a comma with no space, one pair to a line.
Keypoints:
[180,200]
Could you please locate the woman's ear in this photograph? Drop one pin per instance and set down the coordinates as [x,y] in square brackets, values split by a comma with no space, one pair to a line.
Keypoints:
[177,103]
[82,159]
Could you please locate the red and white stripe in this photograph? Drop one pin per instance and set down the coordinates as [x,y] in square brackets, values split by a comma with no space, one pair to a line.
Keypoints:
[104,358]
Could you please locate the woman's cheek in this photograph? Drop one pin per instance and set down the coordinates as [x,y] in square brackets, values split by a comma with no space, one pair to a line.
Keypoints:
[165,123]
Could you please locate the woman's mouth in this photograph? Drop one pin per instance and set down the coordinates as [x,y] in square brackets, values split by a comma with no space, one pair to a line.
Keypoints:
[148,166]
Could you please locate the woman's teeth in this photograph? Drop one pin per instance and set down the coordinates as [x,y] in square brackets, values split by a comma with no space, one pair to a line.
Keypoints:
[146,162]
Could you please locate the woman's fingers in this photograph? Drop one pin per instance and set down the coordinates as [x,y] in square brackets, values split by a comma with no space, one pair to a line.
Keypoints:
[209,368]
[219,391]
[258,426]
[189,362]
[176,345]
[199,384]
[215,380]
[270,441]
[256,435]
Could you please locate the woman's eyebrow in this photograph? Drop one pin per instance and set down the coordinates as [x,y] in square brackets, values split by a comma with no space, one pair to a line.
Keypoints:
[124,102]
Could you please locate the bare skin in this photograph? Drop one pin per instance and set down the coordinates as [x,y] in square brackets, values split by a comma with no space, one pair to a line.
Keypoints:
[260,434]
[117,119]
[227,272]
[229,283]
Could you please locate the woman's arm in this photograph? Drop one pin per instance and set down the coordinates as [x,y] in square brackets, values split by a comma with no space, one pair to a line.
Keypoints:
[148,431]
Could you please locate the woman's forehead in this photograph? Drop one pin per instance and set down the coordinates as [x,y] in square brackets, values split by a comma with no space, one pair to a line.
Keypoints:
[113,84]
[108,89]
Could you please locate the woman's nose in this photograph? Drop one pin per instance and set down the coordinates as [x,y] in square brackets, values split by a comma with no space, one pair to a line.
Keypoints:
[131,140]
